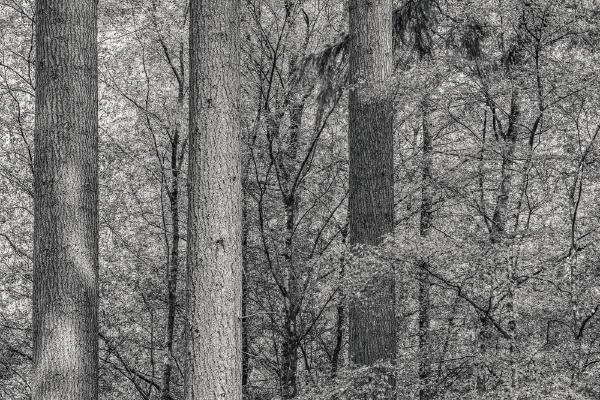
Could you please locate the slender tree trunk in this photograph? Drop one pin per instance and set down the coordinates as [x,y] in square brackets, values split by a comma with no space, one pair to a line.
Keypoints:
[499,221]
[425,348]
[290,345]
[340,315]
[172,274]
[245,287]
[214,250]
[481,335]
[65,261]
[498,236]
[291,341]
[509,141]
[372,327]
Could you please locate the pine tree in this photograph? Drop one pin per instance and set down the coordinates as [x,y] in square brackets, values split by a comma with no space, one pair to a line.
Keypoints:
[214,247]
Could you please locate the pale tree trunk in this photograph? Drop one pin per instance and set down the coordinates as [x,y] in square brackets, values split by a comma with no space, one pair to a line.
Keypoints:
[214,250]
[508,143]
[425,348]
[65,261]
[511,328]
[499,237]
[372,325]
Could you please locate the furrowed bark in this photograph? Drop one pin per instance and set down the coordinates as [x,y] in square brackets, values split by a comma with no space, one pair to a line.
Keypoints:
[65,260]
[372,327]
[214,250]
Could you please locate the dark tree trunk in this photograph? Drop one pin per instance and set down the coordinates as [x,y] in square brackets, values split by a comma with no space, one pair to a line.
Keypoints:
[371,192]
[65,261]
[173,269]
[245,287]
[214,246]
[291,343]
[425,347]
[340,316]
[290,197]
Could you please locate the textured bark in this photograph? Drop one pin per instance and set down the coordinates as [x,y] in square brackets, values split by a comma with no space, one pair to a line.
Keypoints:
[65,261]
[372,326]
[214,252]
[425,348]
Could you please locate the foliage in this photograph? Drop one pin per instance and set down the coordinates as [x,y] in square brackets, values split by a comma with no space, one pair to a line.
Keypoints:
[512,88]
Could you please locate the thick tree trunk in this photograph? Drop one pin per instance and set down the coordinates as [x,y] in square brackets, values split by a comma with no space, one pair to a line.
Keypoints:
[371,198]
[425,347]
[214,251]
[65,261]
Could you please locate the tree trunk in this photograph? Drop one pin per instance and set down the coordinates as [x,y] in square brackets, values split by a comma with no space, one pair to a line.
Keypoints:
[245,287]
[372,326]
[290,345]
[499,237]
[291,341]
[425,348]
[65,261]
[509,141]
[173,268]
[214,250]
[340,314]
[291,198]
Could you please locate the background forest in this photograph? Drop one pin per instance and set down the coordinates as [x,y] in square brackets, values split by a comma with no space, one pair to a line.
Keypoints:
[497,199]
